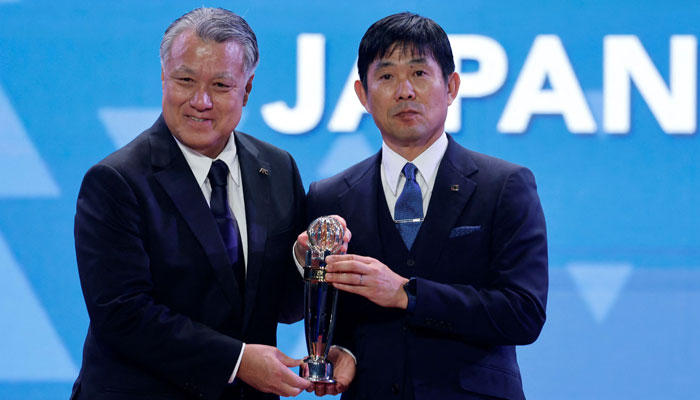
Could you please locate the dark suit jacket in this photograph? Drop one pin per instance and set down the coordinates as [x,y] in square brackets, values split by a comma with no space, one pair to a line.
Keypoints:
[480,259]
[165,314]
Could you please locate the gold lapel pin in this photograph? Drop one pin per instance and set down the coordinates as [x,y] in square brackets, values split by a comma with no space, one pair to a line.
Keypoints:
[263,171]
[454,188]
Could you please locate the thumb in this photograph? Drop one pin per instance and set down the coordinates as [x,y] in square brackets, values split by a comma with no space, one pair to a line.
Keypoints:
[288,361]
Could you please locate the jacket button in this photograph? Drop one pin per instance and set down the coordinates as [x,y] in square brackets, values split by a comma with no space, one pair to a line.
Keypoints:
[410,262]
[395,388]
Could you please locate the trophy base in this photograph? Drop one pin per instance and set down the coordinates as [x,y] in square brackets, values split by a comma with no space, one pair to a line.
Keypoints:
[320,371]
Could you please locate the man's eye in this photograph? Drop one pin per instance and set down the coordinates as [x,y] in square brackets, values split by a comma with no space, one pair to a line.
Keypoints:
[221,85]
[385,76]
[420,73]
[185,79]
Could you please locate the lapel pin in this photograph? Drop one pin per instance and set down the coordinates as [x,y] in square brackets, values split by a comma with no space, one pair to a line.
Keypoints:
[454,188]
[263,171]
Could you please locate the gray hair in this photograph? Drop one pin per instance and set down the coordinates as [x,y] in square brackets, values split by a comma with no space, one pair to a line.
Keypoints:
[218,25]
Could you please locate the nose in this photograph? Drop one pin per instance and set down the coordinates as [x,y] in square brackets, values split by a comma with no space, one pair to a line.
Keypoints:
[404,91]
[200,100]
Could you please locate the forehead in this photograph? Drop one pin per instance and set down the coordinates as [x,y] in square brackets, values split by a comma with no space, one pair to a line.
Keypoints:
[403,53]
[188,48]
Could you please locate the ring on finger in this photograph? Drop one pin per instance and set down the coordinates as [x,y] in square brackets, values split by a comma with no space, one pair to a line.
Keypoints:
[361,276]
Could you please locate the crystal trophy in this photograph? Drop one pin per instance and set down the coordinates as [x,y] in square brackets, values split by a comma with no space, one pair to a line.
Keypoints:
[320,298]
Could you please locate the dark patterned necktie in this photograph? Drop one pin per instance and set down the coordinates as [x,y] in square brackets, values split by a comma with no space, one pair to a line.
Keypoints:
[408,213]
[218,177]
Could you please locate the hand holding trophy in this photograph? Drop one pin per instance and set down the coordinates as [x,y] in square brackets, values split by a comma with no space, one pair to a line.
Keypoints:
[320,298]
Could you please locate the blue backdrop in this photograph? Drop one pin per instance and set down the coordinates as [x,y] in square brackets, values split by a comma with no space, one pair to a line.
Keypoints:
[598,98]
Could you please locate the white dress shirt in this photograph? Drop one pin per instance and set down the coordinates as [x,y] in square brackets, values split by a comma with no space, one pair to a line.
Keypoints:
[200,165]
[426,164]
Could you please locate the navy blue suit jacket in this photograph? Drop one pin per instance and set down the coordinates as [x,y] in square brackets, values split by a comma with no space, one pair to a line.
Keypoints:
[480,259]
[166,319]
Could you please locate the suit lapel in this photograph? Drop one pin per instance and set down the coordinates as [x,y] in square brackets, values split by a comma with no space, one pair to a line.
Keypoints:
[358,204]
[175,176]
[451,192]
[256,194]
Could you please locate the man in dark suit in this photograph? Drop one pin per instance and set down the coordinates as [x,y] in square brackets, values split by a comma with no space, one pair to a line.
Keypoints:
[184,299]
[447,267]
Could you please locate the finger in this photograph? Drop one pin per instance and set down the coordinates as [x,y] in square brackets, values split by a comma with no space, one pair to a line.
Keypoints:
[340,388]
[288,361]
[321,389]
[348,266]
[293,380]
[346,278]
[351,288]
[289,391]
[332,390]
[303,240]
[341,220]
[349,257]
[341,384]
[334,258]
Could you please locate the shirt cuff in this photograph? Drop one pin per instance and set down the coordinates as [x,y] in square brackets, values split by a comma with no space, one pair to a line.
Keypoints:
[296,262]
[347,351]
[238,364]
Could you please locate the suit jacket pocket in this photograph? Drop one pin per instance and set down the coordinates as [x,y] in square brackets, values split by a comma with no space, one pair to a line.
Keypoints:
[460,231]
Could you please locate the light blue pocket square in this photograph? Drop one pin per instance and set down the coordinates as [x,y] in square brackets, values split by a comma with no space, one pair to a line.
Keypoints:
[464,231]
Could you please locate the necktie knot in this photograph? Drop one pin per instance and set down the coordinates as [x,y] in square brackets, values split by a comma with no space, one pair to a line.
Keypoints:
[218,174]
[409,171]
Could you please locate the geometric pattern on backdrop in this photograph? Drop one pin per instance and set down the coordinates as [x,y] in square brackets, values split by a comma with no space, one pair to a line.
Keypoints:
[30,347]
[23,171]
[599,284]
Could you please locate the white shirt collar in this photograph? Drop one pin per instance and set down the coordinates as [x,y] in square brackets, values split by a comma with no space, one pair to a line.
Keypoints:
[200,164]
[427,162]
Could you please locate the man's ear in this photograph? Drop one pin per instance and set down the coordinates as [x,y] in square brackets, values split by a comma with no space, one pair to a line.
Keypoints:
[362,95]
[453,82]
[248,88]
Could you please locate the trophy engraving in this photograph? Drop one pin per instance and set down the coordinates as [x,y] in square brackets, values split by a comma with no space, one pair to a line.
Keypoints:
[320,298]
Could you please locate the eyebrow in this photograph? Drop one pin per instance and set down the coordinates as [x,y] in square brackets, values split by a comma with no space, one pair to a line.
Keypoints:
[184,69]
[223,75]
[188,70]
[421,60]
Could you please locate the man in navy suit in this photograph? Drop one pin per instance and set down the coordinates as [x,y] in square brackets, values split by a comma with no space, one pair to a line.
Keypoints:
[184,300]
[447,268]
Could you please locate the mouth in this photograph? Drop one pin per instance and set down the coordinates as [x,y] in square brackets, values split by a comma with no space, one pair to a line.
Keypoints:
[409,113]
[406,110]
[197,120]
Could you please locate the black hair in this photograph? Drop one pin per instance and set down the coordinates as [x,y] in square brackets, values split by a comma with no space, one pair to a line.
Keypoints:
[401,32]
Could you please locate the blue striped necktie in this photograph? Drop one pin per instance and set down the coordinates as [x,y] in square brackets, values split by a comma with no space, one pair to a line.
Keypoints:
[218,177]
[408,213]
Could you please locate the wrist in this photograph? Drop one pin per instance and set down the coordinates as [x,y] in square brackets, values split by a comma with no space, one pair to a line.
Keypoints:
[342,349]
